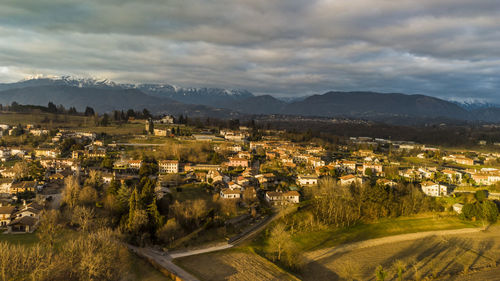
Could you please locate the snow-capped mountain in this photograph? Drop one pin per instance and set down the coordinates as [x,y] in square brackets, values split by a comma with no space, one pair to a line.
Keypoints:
[205,96]
[473,104]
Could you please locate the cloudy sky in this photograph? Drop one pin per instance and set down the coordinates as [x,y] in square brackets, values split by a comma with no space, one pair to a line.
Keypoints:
[445,48]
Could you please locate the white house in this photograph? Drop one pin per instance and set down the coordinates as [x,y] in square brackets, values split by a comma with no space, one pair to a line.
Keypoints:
[350,179]
[307,180]
[281,198]
[227,193]
[168,166]
[434,189]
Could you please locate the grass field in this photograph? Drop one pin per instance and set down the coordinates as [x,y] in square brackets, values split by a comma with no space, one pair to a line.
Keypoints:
[27,239]
[81,123]
[385,227]
[444,257]
[241,263]
[235,264]
[190,192]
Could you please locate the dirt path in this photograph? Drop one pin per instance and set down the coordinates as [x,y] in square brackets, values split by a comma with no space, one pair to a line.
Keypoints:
[180,254]
[318,254]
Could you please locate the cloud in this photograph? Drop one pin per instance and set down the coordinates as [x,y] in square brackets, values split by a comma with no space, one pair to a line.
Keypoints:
[445,48]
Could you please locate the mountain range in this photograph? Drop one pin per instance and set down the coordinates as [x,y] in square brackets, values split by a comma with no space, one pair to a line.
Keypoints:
[105,96]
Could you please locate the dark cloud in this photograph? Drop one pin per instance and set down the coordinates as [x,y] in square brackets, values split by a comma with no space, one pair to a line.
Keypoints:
[445,48]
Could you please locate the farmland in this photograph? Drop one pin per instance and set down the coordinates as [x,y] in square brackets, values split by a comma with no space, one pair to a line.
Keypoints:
[238,264]
[436,256]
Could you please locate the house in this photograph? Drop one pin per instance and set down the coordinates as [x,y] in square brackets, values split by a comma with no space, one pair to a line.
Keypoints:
[76,154]
[134,164]
[56,176]
[304,180]
[93,151]
[168,166]
[5,184]
[244,155]
[282,198]
[460,159]
[6,214]
[23,186]
[46,152]
[234,186]
[453,176]
[315,162]
[434,189]
[23,224]
[228,193]
[347,166]
[26,219]
[215,176]
[374,167]
[161,132]
[167,119]
[386,182]
[350,179]
[238,162]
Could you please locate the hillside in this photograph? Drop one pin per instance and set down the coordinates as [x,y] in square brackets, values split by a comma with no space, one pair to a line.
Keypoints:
[369,105]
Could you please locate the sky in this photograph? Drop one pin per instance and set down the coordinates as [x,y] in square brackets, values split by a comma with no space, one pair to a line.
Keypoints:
[444,48]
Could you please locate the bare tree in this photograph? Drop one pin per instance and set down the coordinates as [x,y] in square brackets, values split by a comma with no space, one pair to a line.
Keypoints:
[71,191]
[279,240]
[48,227]
[21,170]
[83,216]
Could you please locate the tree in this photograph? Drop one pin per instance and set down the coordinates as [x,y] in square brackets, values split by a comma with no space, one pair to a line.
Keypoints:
[137,217]
[279,240]
[95,179]
[154,215]
[89,111]
[481,195]
[71,191]
[87,196]
[113,187]
[105,120]
[123,196]
[82,216]
[48,227]
[21,170]
[51,107]
[490,211]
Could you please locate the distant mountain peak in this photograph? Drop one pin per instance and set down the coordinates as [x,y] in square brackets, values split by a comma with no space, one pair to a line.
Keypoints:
[472,103]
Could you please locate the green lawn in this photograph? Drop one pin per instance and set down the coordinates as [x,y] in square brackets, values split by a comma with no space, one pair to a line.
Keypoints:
[385,227]
[190,192]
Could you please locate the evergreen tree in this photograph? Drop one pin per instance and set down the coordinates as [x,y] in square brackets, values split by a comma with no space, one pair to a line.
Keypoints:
[155,218]
[123,196]
[51,107]
[89,111]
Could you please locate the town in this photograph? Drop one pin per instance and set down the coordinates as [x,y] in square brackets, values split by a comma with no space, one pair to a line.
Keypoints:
[181,184]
